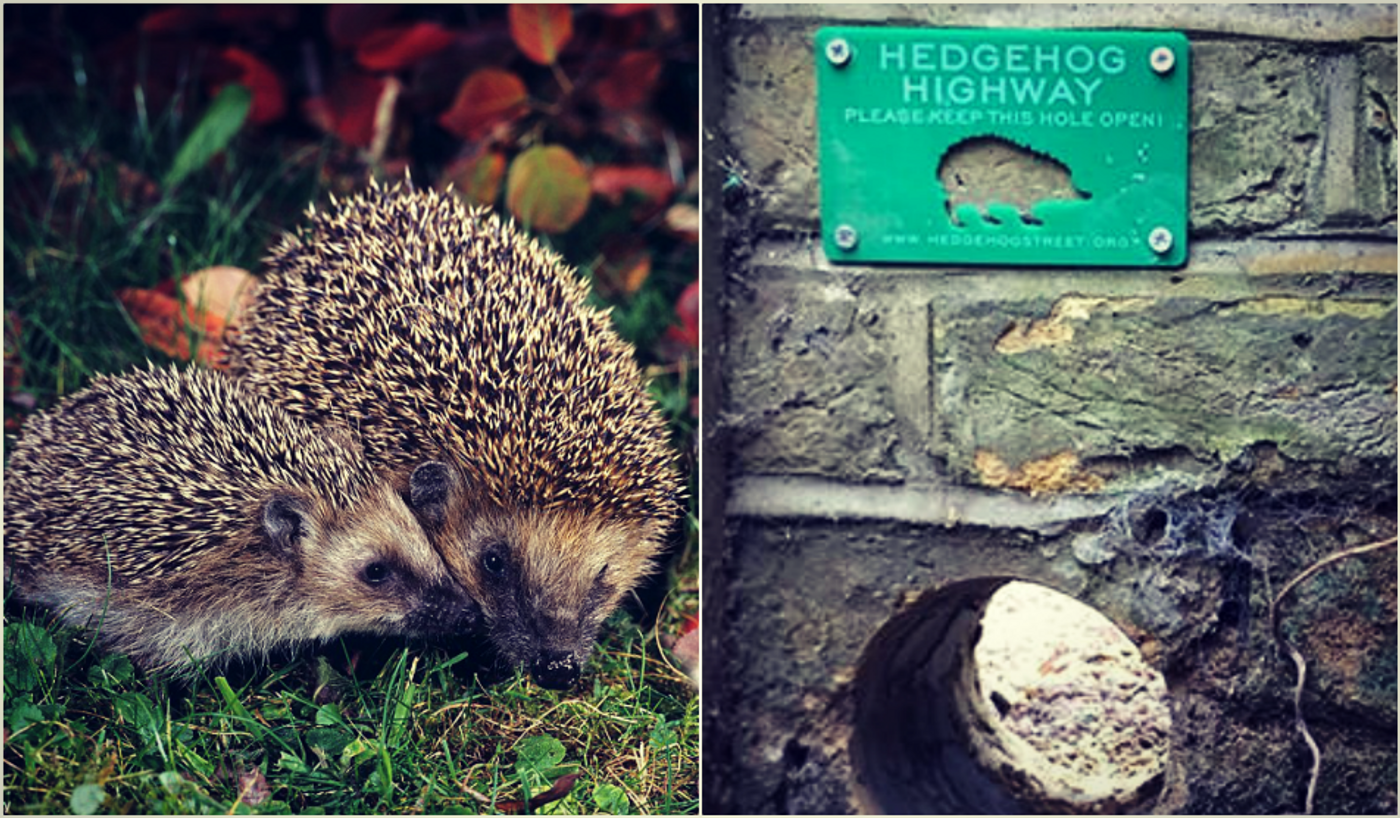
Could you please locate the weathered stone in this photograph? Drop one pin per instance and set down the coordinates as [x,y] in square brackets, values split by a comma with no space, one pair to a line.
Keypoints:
[1253,144]
[1313,22]
[1315,377]
[771,122]
[1375,161]
[809,385]
[1340,199]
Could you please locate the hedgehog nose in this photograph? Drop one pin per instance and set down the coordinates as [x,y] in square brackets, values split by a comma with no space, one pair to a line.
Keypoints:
[555,669]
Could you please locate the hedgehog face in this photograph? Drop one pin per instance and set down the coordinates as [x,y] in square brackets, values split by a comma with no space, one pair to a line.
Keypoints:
[547,580]
[373,571]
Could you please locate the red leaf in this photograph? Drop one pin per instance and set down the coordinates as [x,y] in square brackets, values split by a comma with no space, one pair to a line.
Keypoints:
[547,188]
[623,9]
[269,102]
[348,24]
[540,30]
[561,788]
[612,182]
[353,103]
[478,178]
[631,80]
[688,310]
[489,97]
[402,46]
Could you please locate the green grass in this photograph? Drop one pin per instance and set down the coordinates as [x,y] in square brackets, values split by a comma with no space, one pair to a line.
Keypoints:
[86,733]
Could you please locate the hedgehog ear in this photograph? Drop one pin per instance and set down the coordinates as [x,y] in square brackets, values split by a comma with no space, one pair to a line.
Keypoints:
[428,491]
[284,521]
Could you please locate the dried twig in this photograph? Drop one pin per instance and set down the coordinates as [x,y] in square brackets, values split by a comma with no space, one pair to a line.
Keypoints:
[1297,656]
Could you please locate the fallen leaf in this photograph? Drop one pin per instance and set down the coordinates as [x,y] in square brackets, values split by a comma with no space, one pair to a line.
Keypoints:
[253,788]
[353,103]
[630,81]
[623,9]
[540,30]
[687,653]
[688,311]
[391,49]
[683,220]
[477,178]
[613,182]
[547,188]
[487,98]
[561,788]
[221,291]
[167,328]
[269,101]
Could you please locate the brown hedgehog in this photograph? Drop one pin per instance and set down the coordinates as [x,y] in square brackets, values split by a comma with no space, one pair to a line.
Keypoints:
[183,517]
[440,332]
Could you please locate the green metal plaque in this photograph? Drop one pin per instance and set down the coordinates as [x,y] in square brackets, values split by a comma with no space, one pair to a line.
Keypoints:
[1003,146]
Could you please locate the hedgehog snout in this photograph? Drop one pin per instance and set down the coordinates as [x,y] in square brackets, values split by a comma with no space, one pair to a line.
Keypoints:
[444,609]
[555,669]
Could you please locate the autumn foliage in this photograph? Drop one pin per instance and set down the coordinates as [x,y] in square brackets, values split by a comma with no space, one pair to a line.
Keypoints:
[580,121]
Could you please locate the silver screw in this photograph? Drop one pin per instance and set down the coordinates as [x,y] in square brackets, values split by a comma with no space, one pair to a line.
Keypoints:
[846,237]
[838,52]
[1163,60]
[1160,240]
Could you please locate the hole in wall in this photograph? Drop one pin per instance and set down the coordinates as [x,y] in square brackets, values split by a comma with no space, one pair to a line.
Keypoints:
[996,696]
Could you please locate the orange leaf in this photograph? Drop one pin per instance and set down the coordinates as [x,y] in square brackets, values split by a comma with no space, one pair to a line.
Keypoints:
[631,80]
[165,328]
[490,96]
[541,29]
[401,46]
[269,102]
[612,182]
[547,188]
[478,178]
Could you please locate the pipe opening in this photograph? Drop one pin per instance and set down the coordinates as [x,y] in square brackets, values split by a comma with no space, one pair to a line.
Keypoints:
[995,696]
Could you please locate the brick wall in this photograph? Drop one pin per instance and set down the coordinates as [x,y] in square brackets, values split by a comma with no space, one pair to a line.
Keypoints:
[877,436]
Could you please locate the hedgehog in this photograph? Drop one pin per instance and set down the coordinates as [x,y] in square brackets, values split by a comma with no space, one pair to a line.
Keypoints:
[442,333]
[185,518]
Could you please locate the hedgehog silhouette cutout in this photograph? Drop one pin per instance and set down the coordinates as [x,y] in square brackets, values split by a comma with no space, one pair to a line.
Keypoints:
[986,170]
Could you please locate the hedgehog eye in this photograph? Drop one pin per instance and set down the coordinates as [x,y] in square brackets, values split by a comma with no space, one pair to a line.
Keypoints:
[494,563]
[375,573]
